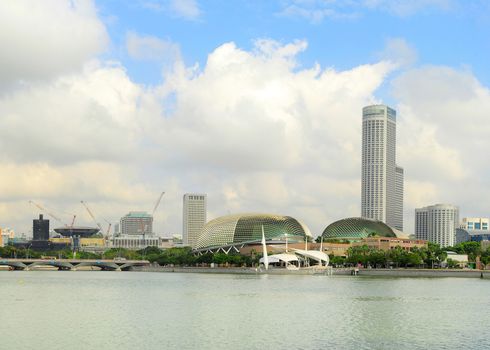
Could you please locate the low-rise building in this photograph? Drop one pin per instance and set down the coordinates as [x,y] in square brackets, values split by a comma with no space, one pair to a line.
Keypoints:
[460,259]
[140,242]
[388,243]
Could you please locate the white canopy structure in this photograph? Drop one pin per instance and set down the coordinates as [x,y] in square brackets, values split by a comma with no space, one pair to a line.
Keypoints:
[287,258]
[316,255]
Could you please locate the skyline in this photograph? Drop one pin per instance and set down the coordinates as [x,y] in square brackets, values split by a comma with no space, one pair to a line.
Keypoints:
[257,105]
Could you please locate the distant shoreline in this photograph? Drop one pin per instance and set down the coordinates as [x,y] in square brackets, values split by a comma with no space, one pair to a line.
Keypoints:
[427,273]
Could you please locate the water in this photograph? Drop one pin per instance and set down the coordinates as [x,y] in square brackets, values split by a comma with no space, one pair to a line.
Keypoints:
[137,310]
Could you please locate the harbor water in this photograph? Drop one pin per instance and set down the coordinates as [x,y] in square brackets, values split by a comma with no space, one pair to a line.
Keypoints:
[145,310]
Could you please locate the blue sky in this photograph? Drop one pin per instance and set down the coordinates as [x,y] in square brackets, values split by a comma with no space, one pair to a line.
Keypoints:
[451,33]
[256,103]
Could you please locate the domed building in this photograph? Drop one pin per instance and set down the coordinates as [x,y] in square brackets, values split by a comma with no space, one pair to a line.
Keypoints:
[247,228]
[355,229]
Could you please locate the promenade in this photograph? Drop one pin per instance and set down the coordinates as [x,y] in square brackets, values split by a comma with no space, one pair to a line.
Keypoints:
[416,273]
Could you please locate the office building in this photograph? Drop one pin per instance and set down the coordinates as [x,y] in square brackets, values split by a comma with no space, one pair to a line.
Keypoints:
[136,223]
[475,224]
[421,225]
[439,223]
[473,229]
[40,229]
[193,217]
[382,179]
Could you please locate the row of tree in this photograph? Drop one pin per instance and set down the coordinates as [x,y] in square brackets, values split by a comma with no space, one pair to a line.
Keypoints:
[431,257]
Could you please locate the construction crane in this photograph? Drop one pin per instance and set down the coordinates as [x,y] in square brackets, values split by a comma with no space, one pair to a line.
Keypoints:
[157,203]
[144,227]
[91,215]
[98,224]
[47,212]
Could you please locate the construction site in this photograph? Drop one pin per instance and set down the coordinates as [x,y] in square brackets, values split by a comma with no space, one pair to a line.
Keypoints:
[133,231]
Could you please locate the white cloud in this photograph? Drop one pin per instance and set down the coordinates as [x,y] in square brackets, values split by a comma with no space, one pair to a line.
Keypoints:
[443,136]
[42,40]
[251,129]
[150,48]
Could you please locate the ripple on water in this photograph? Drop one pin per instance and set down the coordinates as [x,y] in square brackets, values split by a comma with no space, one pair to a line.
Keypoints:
[195,311]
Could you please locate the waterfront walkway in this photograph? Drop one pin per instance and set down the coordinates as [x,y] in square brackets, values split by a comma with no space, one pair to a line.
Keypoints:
[73,264]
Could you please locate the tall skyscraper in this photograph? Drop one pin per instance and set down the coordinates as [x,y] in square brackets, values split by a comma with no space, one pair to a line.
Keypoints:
[40,229]
[194,217]
[136,223]
[439,222]
[382,179]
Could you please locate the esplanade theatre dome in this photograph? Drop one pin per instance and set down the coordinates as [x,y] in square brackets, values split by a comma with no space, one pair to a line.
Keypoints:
[240,228]
[352,229]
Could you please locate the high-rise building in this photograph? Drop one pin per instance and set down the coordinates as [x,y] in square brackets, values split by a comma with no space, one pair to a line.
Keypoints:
[421,226]
[136,223]
[40,229]
[398,209]
[382,180]
[194,217]
[441,222]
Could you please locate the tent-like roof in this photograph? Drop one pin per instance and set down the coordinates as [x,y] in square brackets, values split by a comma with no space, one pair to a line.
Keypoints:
[281,257]
[317,255]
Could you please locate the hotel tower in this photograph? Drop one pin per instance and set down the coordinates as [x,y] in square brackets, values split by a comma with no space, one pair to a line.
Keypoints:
[382,179]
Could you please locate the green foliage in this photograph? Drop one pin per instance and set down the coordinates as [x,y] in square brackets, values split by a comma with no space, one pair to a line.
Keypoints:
[452,263]
[472,249]
[177,256]
[431,256]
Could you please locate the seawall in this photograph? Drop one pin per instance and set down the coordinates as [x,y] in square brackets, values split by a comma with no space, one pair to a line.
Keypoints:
[417,273]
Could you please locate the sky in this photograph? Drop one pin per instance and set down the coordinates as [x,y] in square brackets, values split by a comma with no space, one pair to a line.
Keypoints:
[258,104]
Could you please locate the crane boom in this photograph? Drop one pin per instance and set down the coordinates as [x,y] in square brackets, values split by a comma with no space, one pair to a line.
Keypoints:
[157,203]
[46,211]
[91,215]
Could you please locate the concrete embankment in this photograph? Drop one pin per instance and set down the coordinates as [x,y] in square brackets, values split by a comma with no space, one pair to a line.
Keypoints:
[417,273]
[235,270]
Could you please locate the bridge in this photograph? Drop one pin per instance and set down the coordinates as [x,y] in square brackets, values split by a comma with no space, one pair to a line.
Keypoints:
[73,264]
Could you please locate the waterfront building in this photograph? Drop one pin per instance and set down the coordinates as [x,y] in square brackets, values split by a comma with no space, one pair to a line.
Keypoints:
[341,248]
[460,259]
[439,223]
[193,217]
[473,229]
[382,179]
[136,223]
[40,229]
[134,242]
[232,232]
[356,229]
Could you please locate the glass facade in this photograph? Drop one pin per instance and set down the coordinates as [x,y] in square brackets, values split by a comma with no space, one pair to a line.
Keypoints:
[241,228]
